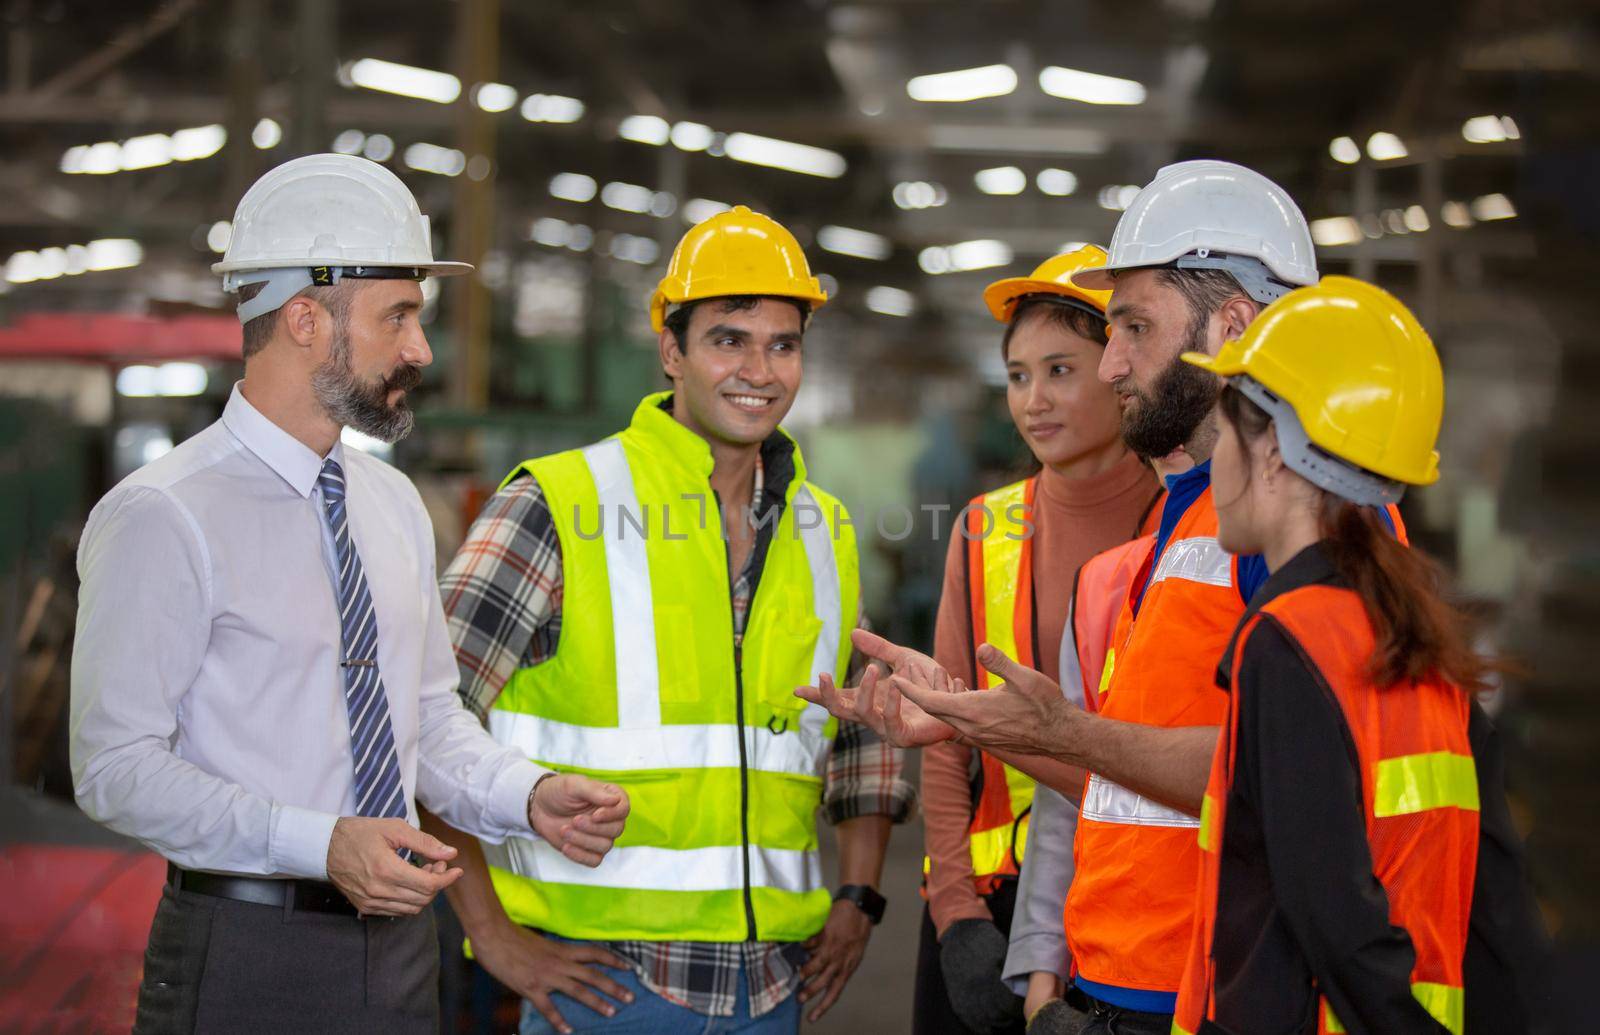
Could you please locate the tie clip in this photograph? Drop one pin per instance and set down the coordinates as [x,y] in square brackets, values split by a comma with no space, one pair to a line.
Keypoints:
[358,663]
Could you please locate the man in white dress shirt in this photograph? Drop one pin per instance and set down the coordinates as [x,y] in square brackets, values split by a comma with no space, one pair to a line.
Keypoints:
[262,685]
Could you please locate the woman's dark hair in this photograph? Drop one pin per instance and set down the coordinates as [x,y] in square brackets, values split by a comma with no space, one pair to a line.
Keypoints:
[1064,315]
[1418,632]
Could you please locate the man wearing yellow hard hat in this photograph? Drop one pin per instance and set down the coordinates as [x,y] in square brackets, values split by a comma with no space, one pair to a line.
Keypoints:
[641,610]
[1007,586]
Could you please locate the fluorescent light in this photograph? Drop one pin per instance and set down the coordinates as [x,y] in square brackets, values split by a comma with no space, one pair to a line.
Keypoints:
[1118,196]
[1074,85]
[915,194]
[77,259]
[219,235]
[891,301]
[698,210]
[1456,214]
[445,161]
[551,107]
[573,187]
[784,154]
[633,248]
[146,152]
[691,136]
[558,233]
[379,147]
[349,142]
[1057,183]
[644,129]
[494,96]
[1492,206]
[198,142]
[173,380]
[1383,146]
[860,244]
[52,263]
[425,84]
[1344,150]
[1416,219]
[626,197]
[114,253]
[967,84]
[1002,179]
[267,134]
[1335,231]
[1508,125]
[102,158]
[964,257]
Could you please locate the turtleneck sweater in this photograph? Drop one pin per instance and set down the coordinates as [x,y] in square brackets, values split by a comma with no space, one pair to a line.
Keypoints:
[1074,519]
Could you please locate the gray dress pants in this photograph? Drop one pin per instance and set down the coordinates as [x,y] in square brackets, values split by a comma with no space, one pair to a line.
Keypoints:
[216,965]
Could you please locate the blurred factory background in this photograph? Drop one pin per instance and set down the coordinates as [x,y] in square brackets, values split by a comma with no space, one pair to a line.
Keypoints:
[1448,151]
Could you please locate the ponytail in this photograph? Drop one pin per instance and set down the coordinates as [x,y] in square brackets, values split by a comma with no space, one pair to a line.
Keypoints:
[1417,632]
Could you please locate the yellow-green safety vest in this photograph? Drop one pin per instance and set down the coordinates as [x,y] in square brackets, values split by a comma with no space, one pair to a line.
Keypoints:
[647,689]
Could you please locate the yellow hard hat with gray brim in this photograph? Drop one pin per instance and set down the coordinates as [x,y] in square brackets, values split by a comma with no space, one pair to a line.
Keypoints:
[1052,280]
[1352,382]
[737,252]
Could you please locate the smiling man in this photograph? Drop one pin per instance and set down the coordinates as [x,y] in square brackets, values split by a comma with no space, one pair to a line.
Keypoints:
[640,610]
[262,685]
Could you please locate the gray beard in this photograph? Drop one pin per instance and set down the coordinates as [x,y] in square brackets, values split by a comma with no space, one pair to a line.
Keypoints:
[352,403]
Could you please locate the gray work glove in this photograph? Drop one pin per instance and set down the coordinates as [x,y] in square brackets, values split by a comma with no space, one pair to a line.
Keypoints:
[972,955]
[1057,1018]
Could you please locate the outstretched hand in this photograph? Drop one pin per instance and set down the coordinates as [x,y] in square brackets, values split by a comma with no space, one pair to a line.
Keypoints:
[1024,714]
[876,705]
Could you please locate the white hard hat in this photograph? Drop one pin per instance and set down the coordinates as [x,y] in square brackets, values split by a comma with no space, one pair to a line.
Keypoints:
[1207,214]
[320,219]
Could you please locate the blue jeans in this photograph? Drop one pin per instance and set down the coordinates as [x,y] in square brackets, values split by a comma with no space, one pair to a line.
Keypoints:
[650,1014]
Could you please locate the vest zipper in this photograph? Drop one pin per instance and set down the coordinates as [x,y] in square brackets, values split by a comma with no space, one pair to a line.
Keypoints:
[738,704]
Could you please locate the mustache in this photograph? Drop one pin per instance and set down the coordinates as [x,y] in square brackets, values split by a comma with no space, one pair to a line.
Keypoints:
[407,377]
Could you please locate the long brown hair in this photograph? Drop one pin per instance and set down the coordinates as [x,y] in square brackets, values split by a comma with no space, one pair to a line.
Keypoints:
[1418,631]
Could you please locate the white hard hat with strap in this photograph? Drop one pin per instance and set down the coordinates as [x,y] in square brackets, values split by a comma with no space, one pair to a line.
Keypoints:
[1207,214]
[321,219]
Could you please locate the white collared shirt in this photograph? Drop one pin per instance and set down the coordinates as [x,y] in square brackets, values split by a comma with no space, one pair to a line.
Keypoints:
[208,705]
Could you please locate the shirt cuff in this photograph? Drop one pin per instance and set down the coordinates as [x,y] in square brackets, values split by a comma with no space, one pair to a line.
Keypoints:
[1032,953]
[508,799]
[297,842]
[896,799]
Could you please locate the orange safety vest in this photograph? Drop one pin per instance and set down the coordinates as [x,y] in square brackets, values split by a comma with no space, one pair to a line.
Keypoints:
[1000,587]
[1420,793]
[1130,908]
[1098,592]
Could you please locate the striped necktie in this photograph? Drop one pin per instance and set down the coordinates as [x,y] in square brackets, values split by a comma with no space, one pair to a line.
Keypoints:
[379,790]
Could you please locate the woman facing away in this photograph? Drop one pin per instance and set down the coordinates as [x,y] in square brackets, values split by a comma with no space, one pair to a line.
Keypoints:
[1340,830]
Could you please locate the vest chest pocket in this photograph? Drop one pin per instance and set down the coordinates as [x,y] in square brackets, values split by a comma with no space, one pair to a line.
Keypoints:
[780,654]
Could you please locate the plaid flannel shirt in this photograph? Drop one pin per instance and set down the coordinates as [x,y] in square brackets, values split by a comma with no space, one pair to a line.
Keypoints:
[502,602]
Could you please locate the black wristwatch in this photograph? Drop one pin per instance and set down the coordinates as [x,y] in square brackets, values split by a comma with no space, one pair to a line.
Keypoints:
[866,899]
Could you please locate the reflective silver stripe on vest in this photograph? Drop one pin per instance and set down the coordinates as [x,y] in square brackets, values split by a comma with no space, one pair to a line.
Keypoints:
[628,573]
[663,748]
[1108,802]
[1201,559]
[825,603]
[644,868]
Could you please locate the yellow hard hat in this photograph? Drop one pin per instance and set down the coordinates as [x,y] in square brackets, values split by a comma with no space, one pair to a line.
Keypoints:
[737,252]
[1053,277]
[1355,368]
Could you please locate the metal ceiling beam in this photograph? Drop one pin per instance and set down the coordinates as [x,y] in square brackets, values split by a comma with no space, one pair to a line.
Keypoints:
[125,43]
